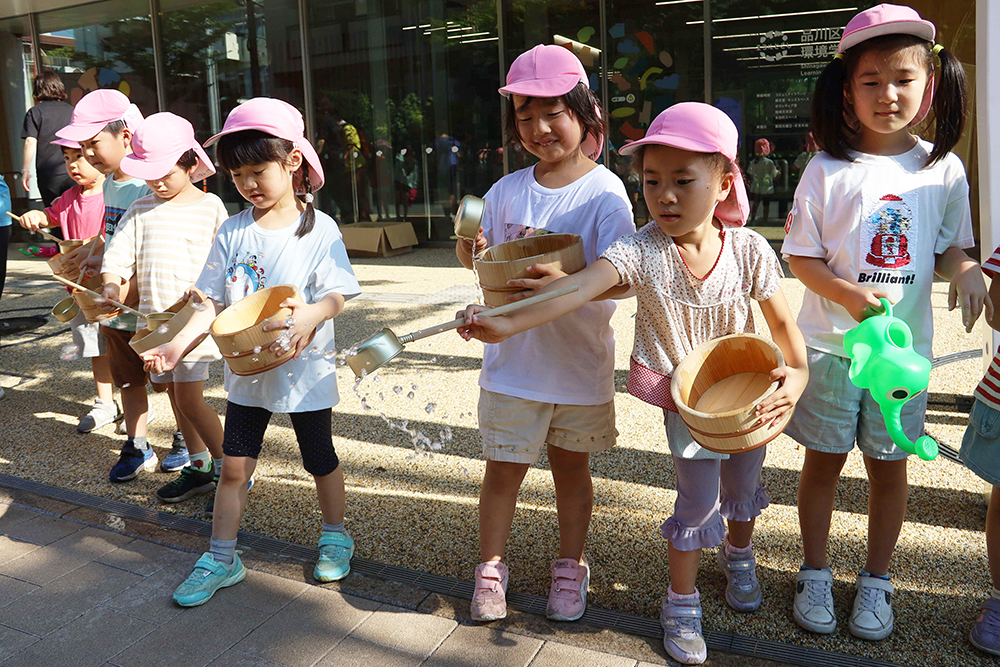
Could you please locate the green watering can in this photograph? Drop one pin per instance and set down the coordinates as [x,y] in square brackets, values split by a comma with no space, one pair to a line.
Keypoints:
[883,362]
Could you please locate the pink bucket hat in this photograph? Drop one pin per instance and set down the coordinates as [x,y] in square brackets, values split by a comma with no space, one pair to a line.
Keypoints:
[548,70]
[885,19]
[701,128]
[157,145]
[277,118]
[95,110]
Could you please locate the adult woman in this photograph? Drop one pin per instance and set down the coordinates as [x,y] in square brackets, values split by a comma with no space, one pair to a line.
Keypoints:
[49,114]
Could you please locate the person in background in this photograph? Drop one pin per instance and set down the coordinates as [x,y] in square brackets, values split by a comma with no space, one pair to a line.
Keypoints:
[49,114]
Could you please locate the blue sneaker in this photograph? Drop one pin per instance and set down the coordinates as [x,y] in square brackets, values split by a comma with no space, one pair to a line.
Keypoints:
[208,576]
[131,462]
[178,456]
[335,551]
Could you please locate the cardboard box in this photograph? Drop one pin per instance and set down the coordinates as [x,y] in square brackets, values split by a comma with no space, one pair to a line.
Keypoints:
[378,239]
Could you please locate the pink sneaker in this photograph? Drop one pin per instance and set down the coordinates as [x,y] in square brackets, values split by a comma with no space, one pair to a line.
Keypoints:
[568,594]
[489,603]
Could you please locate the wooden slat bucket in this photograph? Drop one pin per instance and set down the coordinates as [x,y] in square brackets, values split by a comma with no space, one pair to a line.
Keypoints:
[717,389]
[86,301]
[507,261]
[147,338]
[239,330]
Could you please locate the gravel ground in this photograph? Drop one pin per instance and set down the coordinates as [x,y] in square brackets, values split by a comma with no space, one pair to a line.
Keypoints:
[417,510]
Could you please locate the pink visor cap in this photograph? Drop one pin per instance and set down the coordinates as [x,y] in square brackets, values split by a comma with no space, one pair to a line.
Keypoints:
[546,71]
[701,128]
[885,19]
[277,118]
[157,145]
[95,110]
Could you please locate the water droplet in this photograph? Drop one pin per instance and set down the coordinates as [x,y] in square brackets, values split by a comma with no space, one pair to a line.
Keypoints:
[256,350]
[381,397]
[290,374]
[162,330]
[255,382]
[397,389]
[289,322]
[413,387]
[430,408]
[126,385]
[410,395]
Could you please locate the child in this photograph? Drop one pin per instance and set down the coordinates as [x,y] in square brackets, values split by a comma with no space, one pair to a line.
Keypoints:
[177,216]
[80,213]
[103,122]
[979,447]
[262,146]
[876,214]
[762,173]
[694,273]
[566,404]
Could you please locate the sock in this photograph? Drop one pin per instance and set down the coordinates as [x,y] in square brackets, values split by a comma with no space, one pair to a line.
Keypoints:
[223,551]
[139,442]
[815,569]
[730,549]
[334,527]
[866,573]
[201,461]
[996,594]
[677,597]
[217,466]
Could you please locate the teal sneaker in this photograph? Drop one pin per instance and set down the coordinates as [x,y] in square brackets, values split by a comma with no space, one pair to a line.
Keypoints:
[335,551]
[208,576]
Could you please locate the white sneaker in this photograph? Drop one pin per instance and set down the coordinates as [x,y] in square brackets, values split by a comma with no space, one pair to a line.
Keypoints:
[100,415]
[871,617]
[813,607]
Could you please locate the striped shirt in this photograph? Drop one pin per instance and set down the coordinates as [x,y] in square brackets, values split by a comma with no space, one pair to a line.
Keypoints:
[165,246]
[988,390]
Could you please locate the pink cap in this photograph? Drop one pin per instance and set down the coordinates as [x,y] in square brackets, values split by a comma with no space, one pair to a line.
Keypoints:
[95,110]
[548,70]
[885,19]
[157,145]
[277,118]
[66,143]
[701,128]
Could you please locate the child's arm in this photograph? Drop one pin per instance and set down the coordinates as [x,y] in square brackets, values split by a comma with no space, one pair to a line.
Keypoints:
[967,287]
[165,357]
[303,321]
[860,302]
[592,281]
[795,373]
[466,248]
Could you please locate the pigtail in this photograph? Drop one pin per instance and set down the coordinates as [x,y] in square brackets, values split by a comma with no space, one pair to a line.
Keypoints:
[951,100]
[829,120]
[309,218]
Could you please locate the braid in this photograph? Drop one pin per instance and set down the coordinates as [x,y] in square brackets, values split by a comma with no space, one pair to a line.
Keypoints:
[309,219]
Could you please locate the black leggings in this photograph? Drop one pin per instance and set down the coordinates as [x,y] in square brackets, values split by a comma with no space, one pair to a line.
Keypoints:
[245,428]
[5,233]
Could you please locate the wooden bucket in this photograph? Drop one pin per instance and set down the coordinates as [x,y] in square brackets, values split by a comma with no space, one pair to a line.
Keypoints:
[164,331]
[507,261]
[86,301]
[717,389]
[58,263]
[239,330]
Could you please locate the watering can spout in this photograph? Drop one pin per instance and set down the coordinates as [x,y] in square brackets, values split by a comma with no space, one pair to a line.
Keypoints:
[925,447]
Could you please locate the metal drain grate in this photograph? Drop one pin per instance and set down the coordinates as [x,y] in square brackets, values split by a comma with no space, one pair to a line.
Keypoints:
[533,604]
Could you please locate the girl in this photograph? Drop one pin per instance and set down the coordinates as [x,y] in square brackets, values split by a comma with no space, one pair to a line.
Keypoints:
[553,387]
[694,273]
[762,173]
[876,214]
[262,146]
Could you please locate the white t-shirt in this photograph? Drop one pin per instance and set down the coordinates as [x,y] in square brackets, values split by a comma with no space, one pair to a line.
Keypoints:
[878,221]
[569,361]
[678,311]
[245,258]
[165,245]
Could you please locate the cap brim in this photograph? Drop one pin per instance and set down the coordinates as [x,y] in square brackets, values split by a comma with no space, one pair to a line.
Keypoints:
[553,87]
[215,138]
[676,141]
[66,143]
[83,132]
[921,29]
[153,170]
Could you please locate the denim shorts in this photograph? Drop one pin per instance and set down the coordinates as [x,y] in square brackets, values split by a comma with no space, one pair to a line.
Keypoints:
[981,444]
[833,414]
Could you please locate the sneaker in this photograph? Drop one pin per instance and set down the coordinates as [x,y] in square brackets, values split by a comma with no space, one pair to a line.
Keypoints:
[682,638]
[178,456]
[210,504]
[120,429]
[742,590]
[985,634]
[208,576]
[131,462]
[813,607]
[100,415]
[191,482]
[335,551]
[490,600]
[568,593]
[871,617]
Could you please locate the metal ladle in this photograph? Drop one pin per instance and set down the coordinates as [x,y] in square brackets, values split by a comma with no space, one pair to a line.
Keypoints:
[469,217]
[385,346]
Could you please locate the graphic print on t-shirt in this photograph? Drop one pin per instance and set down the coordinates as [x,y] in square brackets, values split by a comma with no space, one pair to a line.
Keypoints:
[513,232]
[243,277]
[111,217]
[888,239]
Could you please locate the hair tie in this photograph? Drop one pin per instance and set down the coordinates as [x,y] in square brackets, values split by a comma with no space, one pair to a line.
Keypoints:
[839,56]
[308,197]
[936,52]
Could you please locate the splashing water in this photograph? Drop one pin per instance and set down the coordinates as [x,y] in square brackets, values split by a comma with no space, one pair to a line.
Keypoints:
[69,352]
[430,407]
[422,445]
[256,350]
[162,330]
[199,307]
[410,395]
[397,389]
[289,322]
[413,387]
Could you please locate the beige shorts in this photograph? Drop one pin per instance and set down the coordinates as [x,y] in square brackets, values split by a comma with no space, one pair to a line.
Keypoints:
[185,371]
[516,429]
